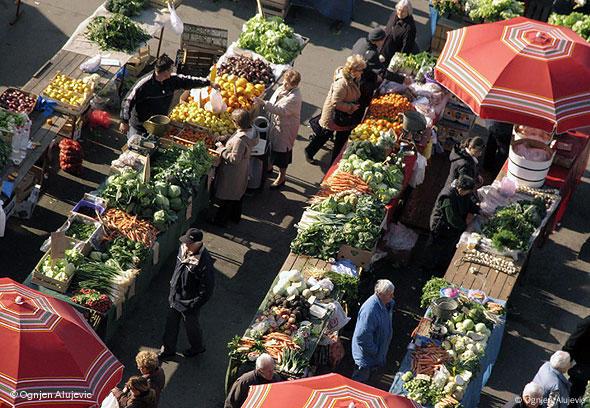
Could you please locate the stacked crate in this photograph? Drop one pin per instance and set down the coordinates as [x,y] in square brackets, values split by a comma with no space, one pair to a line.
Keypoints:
[275,7]
[456,124]
[200,48]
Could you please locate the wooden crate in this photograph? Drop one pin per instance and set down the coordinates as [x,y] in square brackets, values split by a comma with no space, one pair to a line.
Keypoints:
[195,63]
[443,25]
[41,279]
[204,39]
[164,3]
[138,62]
[278,8]
[66,108]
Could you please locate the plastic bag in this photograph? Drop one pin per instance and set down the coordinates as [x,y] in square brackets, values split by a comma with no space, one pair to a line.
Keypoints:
[419,171]
[175,21]
[400,238]
[215,104]
[92,64]
[338,319]
[110,402]
[99,118]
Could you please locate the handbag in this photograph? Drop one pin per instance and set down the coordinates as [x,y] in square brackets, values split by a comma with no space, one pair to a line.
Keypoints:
[344,119]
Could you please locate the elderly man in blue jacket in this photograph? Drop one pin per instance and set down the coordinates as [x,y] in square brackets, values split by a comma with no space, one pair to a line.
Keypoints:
[373,331]
[551,377]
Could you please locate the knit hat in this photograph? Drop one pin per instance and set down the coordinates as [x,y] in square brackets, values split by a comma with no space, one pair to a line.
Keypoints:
[376,34]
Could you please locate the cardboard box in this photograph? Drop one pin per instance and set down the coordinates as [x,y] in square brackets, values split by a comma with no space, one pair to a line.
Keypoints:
[360,257]
[24,188]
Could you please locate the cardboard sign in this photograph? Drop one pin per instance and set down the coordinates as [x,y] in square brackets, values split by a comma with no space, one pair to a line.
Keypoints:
[189,208]
[156,255]
[58,246]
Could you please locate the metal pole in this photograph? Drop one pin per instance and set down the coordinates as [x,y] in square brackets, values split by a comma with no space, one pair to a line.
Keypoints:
[160,41]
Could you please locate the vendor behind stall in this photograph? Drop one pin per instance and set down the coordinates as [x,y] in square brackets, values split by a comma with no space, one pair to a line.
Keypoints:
[401,31]
[464,160]
[152,95]
[447,222]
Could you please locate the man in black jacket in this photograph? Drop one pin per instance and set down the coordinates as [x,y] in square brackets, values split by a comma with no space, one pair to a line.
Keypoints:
[152,95]
[448,221]
[578,345]
[191,287]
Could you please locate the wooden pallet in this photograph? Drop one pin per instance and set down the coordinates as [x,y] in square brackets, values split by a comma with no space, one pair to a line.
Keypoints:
[278,8]
[204,39]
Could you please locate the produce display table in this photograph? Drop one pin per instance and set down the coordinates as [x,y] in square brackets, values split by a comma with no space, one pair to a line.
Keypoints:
[293,261]
[166,245]
[496,284]
[475,386]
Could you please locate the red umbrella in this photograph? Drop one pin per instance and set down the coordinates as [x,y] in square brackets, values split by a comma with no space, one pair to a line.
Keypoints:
[331,390]
[50,356]
[520,71]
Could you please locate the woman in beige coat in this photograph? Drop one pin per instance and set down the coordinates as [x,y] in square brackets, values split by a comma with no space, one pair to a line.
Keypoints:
[343,96]
[232,173]
[285,109]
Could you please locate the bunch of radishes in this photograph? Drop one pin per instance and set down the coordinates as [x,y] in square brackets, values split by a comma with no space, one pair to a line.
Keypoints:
[70,156]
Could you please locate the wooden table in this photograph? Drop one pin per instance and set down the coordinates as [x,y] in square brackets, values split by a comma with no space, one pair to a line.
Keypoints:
[44,132]
[494,283]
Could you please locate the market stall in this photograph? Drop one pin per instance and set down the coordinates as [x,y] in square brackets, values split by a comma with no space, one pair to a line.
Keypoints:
[495,250]
[61,92]
[453,349]
[301,311]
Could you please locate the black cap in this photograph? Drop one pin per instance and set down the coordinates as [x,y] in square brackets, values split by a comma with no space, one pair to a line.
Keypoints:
[376,34]
[191,236]
[465,183]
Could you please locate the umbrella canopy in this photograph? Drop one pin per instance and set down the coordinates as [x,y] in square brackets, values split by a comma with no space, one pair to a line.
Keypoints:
[520,71]
[331,390]
[50,356]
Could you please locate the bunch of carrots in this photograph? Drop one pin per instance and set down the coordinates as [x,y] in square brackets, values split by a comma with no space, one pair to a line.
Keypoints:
[343,181]
[388,106]
[275,343]
[427,359]
[118,222]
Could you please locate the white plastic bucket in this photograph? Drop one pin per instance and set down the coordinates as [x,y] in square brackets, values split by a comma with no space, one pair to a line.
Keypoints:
[526,172]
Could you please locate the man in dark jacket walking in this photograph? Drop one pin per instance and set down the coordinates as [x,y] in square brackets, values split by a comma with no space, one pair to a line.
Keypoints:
[191,287]
[578,345]
[448,221]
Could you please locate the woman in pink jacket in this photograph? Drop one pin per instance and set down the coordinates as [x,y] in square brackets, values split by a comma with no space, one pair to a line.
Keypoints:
[285,109]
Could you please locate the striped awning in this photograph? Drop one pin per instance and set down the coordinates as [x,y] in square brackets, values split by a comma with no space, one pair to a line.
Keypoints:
[50,356]
[331,390]
[520,71]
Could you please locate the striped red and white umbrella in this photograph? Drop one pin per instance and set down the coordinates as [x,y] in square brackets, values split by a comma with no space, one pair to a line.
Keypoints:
[330,390]
[50,356]
[520,71]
